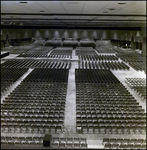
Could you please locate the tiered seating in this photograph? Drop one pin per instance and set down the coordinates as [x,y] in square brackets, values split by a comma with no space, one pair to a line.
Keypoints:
[93,61]
[85,51]
[24,141]
[37,105]
[87,42]
[135,60]
[36,64]
[61,52]
[118,143]
[104,105]
[37,52]
[113,65]
[103,49]
[138,66]
[70,42]
[96,75]
[53,42]
[37,141]
[52,75]
[39,42]
[98,57]
[139,86]
[9,76]
[69,142]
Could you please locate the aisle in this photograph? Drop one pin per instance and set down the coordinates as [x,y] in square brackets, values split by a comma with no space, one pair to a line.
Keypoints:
[70,108]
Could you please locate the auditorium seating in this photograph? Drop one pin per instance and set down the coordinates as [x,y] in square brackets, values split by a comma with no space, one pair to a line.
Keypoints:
[139,86]
[53,42]
[104,49]
[37,52]
[9,76]
[61,52]
[21,112]
[36,64]
[134,59]
[85,51]
[98,57]
[38,42]
[87,42]
[118,143]
[113,65]
[70,42]
[37,141]
[104,105]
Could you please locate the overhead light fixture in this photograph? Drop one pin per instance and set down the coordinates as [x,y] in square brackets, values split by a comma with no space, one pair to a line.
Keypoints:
[23,2]
[121,3]
[72,2]
[111,9]
[105,11]
[11,23]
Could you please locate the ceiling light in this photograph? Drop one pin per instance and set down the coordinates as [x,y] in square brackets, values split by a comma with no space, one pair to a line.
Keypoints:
[121,3]
[111,9]
[72,2]
[11,22]
[23,2]
[105,11]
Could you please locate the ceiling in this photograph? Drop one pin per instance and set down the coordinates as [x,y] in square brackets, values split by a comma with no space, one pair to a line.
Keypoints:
[74,13]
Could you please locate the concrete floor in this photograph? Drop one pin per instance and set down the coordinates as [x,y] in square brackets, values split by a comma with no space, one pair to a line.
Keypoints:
[69,130]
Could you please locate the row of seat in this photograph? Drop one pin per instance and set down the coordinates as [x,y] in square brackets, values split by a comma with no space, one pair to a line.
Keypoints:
[100,129]
[124,140]
[69,142]
[103,49]
[111,106]
[141,91]
[124,146]
[9,76]
[134,59]
[131,57]
[5,84]
[138,85]
[36,129]
[85,52]
[98,57]
[139,66]
[136,81]
[36,64]
[33,55]
[37,141]
[59,56]
[95,75]
[25,115]
[49,75]
[113,65]
[10,73]
[61,51]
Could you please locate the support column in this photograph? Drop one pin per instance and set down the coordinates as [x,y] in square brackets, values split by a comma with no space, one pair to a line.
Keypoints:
[144,47]
[132,43]
[7,40]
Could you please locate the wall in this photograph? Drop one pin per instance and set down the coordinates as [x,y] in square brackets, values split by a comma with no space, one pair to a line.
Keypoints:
[64,33]
[17,33]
